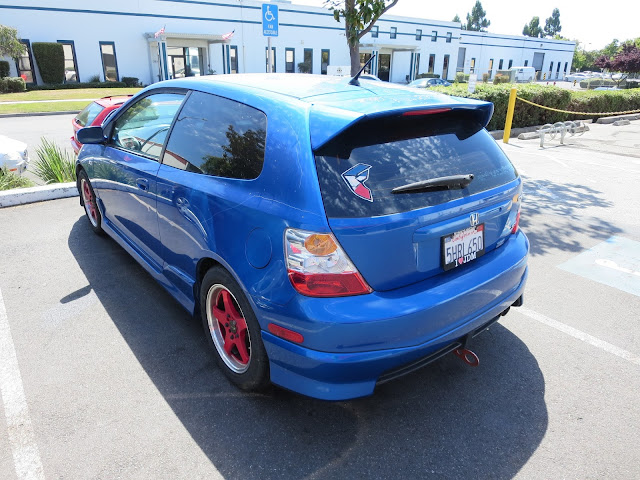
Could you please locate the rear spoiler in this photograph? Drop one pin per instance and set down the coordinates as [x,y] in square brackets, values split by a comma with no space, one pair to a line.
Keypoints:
[463,117]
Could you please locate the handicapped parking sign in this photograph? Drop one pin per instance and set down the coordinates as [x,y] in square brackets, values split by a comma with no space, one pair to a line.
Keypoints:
[269,20]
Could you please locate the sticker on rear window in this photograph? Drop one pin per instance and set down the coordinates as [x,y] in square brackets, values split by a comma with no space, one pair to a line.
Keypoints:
[355,178]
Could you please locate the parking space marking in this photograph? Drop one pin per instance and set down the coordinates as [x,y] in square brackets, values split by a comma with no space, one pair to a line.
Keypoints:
[26,456]
[580,335]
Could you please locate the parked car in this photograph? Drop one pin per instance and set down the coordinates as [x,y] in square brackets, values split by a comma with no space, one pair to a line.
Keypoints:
[94,114]
[522,74]
[577,77]
[14,155]
[330,236]
[429,82]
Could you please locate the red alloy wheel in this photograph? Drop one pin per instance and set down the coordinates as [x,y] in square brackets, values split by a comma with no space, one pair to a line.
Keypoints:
[89,202]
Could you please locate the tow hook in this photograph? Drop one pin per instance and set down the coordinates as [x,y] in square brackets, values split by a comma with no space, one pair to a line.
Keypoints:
[467,356]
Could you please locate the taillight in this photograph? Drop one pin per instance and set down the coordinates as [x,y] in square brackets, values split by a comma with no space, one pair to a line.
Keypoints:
[517,222]
[318,267]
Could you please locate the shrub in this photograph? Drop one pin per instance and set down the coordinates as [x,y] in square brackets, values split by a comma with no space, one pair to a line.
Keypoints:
[500,78]
[596,82]
[526,115]
[427,75]
[54,164]
[50,59]
[485,78]
[71,86]
[131,81]
[4,69]
[9,180]
[304,67]
[461,77]
[12,84]
[94,79]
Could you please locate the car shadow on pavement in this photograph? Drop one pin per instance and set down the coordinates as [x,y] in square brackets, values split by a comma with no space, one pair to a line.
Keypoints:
[566,216]
[445,420]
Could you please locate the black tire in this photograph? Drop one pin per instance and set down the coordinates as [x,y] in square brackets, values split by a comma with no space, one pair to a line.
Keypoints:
[232,329]
[88,201]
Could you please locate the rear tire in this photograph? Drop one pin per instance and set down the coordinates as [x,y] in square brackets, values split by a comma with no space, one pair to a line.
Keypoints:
[232,329]
[89,202]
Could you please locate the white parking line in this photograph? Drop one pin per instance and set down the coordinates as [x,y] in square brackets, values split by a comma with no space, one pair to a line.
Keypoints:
[20,432]
[585,337]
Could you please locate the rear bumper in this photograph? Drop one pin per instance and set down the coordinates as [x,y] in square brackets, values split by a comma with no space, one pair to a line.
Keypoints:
[430,320]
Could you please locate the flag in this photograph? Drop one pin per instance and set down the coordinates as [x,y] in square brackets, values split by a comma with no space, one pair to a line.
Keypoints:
[228,36]
[159,32]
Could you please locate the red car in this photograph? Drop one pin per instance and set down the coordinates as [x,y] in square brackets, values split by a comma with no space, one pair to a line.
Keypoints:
[94,114]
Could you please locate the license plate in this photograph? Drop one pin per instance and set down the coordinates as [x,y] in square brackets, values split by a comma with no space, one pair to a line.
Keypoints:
[462,247]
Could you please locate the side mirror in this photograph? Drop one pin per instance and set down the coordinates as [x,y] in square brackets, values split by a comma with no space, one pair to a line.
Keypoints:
[90,135]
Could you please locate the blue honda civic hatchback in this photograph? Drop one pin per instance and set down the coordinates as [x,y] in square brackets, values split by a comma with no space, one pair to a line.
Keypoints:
[331,234]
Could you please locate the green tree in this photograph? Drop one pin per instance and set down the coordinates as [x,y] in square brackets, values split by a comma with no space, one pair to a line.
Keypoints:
[477,19]
[552,24]
[532,29]
[9,43]
[611,49]
[359,18]
[241,158]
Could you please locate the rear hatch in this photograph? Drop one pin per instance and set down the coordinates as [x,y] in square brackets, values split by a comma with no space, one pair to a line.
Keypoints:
[463,207]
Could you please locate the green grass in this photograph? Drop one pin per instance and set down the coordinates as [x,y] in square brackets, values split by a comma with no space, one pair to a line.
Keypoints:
[9,180]
[67,94]
[72,106]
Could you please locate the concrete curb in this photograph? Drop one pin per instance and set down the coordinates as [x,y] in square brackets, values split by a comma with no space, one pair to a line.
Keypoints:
[21,196]
[608,120]
[37,114]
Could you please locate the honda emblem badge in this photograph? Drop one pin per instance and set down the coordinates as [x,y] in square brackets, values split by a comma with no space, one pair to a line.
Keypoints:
[474,219]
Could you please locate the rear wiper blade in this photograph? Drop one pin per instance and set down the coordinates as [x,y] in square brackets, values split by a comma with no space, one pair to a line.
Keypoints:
[452,182]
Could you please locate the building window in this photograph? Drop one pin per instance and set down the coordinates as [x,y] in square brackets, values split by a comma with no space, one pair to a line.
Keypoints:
[394,32]
[472,65]
[445,68]
[526,62]
[510,63]
[434,36]
[490,67]
[566,65]
[24,64]
[558,69]
[308,59]
[416,65]
[70,64]
[233,59]
[418,34]
[109,61]
[289,60]
[448,37]
[273,59]
[374,31]
[432,62]
[364,58]
[551,67]
[325,56]
[500,64]
[187,61]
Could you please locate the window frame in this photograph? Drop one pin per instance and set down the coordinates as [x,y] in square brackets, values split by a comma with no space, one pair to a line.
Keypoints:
[304,59]
[449,37]
[27,45]
[115,58]
[75,59]
[393,33]
[434,35]
[233,48]
[375,31]
[418,34]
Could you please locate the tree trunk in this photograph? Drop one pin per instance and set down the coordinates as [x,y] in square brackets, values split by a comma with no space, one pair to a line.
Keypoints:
[354,52]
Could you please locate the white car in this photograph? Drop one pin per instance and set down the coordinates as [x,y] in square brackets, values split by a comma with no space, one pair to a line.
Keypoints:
[13,155]
[577,77]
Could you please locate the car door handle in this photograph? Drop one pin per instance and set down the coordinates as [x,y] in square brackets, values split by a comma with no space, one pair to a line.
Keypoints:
[142,183]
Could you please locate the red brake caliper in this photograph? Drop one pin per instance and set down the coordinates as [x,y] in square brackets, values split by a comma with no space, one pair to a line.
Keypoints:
[233,327]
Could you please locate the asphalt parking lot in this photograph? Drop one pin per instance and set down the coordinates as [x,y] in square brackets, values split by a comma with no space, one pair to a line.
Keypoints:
[103,375]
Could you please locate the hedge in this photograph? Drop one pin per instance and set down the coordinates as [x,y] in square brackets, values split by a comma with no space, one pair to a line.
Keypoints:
[12,85]
[50,59]
[69,86]
[526,115]
[427,75]
[4,69]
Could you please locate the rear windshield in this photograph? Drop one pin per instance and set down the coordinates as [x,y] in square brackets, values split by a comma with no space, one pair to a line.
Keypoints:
[89,114]
[357,175]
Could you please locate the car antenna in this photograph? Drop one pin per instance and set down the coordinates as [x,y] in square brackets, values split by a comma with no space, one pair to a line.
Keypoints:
[354,80]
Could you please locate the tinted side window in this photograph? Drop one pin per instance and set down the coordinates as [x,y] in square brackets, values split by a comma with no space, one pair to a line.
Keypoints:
[143,127]
[217,136]
[88,115]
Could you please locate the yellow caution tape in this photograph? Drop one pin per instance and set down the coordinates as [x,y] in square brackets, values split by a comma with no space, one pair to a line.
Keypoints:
[577,113]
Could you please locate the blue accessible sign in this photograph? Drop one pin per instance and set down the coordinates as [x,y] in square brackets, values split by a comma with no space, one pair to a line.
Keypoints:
[269,20]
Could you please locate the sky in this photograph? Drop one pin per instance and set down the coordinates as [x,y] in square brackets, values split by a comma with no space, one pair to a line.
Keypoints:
[593,23]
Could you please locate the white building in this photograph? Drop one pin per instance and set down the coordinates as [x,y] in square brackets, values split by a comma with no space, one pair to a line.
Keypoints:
[118,39]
